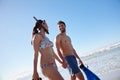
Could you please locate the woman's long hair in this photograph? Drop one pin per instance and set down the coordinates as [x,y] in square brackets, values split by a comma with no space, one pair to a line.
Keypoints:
[36,28]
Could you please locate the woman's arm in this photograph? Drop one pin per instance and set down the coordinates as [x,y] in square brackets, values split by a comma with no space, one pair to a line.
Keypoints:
[36,42]
[56,57]
[64,64]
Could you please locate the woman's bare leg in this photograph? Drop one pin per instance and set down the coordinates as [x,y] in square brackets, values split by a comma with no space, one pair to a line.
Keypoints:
[55,75]
[52,73]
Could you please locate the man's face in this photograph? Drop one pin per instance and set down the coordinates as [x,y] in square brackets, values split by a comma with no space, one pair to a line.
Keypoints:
[62,27]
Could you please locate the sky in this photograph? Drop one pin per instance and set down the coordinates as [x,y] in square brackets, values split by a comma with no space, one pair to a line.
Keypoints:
[91,24]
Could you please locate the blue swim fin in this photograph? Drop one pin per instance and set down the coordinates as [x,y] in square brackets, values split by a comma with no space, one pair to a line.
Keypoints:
[89,74]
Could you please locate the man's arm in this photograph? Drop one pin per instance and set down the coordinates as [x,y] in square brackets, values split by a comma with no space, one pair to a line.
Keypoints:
[64,64]
[58,47]
[76,55]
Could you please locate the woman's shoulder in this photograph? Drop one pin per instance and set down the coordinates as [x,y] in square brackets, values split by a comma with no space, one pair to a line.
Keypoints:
[37,36]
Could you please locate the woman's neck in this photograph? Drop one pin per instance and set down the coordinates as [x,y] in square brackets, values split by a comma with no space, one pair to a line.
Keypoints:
[42,33]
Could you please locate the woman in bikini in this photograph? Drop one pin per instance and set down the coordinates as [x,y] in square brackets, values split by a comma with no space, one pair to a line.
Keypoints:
[42,45]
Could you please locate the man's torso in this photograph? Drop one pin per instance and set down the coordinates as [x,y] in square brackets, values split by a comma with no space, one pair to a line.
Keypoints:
[66,46]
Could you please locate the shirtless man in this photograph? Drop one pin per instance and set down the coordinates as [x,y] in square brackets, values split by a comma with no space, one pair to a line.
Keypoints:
[67,53]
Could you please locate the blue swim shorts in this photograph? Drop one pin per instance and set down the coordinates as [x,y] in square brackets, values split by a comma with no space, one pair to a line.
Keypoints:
[72,64]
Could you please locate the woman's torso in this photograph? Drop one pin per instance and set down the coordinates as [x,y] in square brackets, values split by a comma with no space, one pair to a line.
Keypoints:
[45,48]
[46,51]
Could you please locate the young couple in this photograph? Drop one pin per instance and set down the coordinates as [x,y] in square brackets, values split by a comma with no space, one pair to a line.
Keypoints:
[43,46]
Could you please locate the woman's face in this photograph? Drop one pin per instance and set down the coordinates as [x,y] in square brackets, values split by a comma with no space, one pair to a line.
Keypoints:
[44,24]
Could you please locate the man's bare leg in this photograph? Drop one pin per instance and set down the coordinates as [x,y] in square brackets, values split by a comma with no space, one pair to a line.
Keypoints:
[80,76]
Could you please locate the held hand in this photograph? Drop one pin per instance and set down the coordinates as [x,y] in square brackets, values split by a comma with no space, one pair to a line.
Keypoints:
[64,64]
[35,76]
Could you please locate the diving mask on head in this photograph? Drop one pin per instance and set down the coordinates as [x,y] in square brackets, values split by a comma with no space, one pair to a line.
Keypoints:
[40,23]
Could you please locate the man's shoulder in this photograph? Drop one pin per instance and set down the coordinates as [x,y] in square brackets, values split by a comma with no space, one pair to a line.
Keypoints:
[59,35]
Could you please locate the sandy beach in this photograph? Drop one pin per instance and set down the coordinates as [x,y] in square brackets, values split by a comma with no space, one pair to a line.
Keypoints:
[112,75]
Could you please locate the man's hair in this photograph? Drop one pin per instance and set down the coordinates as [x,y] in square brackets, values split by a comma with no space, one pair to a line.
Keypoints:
[61,22]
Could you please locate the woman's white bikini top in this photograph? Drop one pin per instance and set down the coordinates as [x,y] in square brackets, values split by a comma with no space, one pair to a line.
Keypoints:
[45,43]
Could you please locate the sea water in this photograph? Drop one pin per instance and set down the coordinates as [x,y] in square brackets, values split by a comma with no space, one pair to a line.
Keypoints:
[100,62]
[104,62]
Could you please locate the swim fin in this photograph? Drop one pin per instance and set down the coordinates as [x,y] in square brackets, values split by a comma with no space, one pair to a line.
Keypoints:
[89,74]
